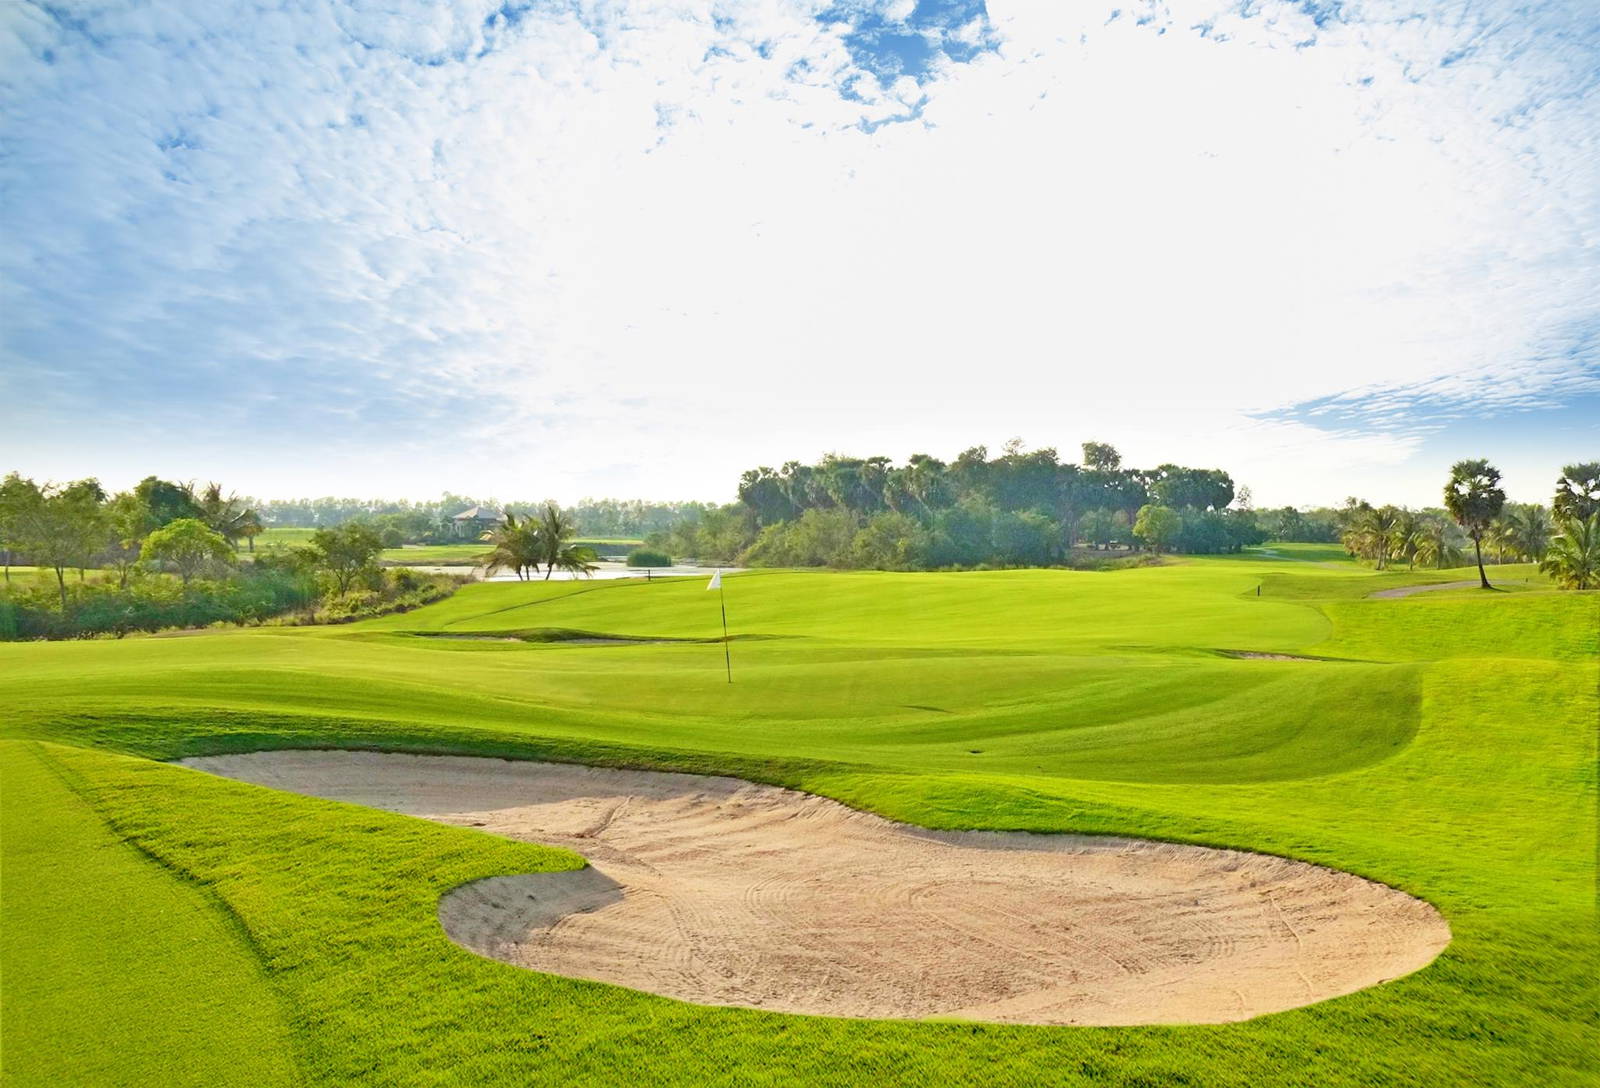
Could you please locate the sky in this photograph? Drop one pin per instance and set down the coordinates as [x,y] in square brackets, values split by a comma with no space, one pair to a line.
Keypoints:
[631,248]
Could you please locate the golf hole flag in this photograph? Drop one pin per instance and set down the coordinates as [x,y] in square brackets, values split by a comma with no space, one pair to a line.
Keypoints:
[727,656]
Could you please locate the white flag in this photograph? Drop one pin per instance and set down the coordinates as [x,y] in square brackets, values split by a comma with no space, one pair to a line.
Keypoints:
[716,580]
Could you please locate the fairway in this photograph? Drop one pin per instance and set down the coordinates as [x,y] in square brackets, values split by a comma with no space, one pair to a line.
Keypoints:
[130,971]
[1440,744]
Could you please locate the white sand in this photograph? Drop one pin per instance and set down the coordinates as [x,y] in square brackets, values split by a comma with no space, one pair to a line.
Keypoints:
[1410,591]
[721,892]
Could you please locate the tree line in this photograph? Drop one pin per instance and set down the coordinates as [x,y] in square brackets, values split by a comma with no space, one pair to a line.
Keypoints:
[1029,508]
[428,521]
[171,553]
[1560,538]
[1019,508]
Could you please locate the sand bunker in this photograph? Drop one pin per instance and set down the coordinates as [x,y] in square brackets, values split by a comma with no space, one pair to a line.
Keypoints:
[1252,655]
[717,891]
[1411,591]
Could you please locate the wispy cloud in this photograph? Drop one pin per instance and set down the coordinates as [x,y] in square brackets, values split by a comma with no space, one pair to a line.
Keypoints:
[696,236]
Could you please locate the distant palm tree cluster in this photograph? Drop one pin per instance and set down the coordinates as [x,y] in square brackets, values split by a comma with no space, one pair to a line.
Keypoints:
[1564,539]
[1395,534]
[545,541]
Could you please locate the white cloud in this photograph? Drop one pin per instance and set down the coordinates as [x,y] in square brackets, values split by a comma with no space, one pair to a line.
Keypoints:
[634,248]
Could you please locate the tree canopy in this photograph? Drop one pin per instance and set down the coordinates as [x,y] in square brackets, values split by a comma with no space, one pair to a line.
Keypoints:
[189,544]
[345,552]
[1474,499]
[1578,491]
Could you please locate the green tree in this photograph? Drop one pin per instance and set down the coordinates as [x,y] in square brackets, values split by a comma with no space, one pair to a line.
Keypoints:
[188,544]
[225,514]
[1578,491]
[888,541]
[925,482]
[1536,530]
[63,528]
[1474,499]
[167,501]
[1101,456]
[1157,526]
[1574,556]
[514,545]
[1289,524]
[1028,539]
[18,499]
[1505,534]
[1370,531]
[556,531]
[129,520]
[1405,535]
[1434,545]
[346,552]
[1098,527]
[1196,488]
[250,527]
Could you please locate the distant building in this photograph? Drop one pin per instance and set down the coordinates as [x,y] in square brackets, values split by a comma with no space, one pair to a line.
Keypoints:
[473,522]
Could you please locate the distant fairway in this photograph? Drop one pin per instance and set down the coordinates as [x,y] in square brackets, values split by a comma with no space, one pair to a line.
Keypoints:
[283,537]
[1444,744]
[466,553]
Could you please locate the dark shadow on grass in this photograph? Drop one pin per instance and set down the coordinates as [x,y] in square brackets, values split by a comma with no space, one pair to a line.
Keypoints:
[577,636]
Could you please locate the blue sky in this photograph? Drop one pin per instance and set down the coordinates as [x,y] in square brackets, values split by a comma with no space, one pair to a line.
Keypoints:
[632,248]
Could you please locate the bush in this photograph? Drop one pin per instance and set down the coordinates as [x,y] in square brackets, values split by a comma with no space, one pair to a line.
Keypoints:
[151,604]
[260,593]
[643,557]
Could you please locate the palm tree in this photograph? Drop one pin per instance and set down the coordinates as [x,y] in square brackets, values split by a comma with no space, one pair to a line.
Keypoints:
[250,527]
[1474,498]
[576,559]
[1434,546]
[1369,534]
[556,548]
[226,515]
[1505,534]
[1535,532]
[1574,556]
[1404,536]
[517,545]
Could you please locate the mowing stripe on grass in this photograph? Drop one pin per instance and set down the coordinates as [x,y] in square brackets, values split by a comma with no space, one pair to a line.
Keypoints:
[115,971]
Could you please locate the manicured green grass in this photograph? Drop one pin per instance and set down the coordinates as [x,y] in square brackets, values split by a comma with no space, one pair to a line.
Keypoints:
[283,537]
[1449,749]
[117,970]
[1303,553]
[467,554]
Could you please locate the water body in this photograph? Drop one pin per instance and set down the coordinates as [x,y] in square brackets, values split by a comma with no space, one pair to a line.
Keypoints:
[607,570]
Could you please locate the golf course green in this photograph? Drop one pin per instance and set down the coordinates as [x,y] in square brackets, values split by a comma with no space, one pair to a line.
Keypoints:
[165,926]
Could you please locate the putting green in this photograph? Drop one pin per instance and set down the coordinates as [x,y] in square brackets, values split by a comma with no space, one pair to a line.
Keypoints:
[1447,749]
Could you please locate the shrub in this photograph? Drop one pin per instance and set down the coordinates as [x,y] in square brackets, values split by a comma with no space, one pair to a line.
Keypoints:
[643,557]
[262,592]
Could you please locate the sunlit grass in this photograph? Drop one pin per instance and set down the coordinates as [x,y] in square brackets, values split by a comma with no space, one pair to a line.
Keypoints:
[1449,751]
[117,970]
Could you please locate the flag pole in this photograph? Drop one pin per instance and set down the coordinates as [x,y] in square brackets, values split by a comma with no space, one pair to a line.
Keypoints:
[727,654]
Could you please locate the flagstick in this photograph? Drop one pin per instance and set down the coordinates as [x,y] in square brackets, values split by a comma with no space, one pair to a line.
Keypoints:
[727,654]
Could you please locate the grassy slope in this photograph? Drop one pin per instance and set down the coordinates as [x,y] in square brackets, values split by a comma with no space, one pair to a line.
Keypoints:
[116,970]
[1453,758]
